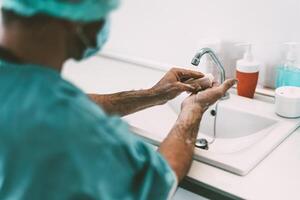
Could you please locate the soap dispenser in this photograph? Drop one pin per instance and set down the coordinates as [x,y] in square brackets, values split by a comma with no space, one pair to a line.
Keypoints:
[247,72]
[288,73]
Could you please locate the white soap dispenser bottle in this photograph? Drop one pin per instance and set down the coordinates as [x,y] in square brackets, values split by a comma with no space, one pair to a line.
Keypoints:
[247,72]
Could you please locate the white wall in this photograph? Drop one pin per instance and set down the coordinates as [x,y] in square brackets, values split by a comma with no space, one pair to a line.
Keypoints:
[169,30]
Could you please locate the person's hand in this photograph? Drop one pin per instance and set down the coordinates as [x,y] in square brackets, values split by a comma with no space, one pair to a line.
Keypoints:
[179,80]
[204,99]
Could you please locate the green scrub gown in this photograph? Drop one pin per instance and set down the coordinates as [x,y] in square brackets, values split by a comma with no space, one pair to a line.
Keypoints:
[57,144]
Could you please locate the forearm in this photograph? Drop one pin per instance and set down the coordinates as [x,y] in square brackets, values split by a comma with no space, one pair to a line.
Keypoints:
[178,147]
[125,103]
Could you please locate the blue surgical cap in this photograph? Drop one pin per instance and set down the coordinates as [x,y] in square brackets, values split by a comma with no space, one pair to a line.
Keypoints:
[73,10]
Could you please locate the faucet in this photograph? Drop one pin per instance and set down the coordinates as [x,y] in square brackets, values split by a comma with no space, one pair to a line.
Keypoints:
[203,143]
[197,58]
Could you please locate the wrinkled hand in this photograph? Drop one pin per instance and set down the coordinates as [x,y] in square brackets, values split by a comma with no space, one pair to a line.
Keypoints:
[206,98]
[179,80]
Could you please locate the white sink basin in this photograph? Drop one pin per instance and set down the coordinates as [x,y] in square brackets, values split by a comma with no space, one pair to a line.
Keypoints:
[246,132]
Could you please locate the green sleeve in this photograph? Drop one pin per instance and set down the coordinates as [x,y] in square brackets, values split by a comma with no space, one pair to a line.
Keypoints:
[123,166]
[76,156]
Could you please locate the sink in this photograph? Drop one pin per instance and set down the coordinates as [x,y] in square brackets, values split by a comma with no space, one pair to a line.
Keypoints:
[247,131]
[236,128]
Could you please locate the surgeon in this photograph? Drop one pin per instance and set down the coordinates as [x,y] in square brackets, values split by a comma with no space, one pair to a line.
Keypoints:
[57,142]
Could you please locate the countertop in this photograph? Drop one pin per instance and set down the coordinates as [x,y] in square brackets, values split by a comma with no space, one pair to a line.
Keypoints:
[276,177]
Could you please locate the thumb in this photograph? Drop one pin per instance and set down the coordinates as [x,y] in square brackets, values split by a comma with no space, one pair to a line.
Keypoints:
[228,84]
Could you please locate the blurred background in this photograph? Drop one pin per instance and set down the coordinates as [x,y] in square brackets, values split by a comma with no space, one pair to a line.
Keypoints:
[171,31]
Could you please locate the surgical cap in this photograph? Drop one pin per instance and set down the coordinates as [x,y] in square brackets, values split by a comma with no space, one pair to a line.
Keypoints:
[73,10]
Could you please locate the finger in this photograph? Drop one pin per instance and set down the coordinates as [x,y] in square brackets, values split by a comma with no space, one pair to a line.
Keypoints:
[221,90]
[186,87]
[215,84]
[189,81]
[228,84]
[210,96]
[214,94]
[200,84]
[184,74]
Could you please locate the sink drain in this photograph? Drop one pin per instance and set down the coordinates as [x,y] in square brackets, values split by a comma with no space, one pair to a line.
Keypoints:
[213,113]
[202,144]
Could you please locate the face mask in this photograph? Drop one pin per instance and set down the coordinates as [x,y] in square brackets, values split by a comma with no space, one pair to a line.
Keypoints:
[102,37]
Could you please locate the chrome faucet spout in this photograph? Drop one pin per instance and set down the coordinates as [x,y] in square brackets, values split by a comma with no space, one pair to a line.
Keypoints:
[203,143]
[197,58]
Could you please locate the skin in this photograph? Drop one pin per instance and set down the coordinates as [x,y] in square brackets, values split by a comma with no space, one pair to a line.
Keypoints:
[50,42]
[170,86]
[178,147]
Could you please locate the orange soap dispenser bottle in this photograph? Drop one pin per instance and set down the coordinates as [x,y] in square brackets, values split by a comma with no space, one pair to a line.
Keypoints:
[247,72]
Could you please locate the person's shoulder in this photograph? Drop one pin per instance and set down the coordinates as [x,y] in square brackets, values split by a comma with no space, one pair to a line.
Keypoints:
[65,100]
[47,98]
